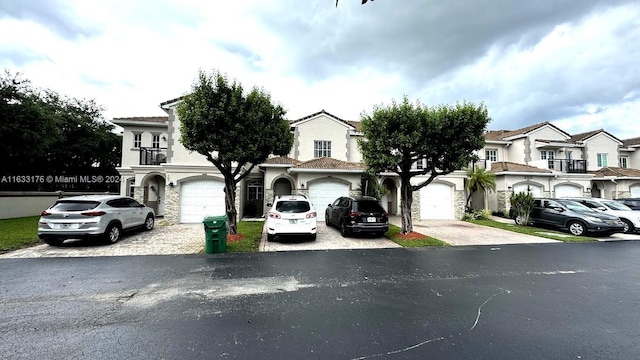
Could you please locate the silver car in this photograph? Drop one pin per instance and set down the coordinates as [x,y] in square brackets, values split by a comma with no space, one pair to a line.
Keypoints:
[102,216]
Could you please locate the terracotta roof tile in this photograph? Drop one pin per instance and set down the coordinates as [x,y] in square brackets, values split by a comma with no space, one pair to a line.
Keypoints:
[616,171]
[631,142]
[501,166]
[503,134]
[330,163]
[282,160]
[588,134]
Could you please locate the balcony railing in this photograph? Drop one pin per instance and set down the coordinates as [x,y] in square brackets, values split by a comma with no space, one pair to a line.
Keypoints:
[568,166]
[153,156]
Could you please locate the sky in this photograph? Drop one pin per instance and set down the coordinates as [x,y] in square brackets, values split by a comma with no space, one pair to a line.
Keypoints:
[574,63]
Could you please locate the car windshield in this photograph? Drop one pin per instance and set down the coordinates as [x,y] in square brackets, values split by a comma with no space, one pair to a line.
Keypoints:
[573,205]
[368,206]
[75,205]
[614,205]
[293,206]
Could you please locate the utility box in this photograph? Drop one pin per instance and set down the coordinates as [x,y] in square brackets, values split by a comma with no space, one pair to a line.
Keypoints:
[215,231]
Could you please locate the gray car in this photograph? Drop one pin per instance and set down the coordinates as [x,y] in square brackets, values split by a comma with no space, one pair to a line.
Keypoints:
[573,216]
[98,216]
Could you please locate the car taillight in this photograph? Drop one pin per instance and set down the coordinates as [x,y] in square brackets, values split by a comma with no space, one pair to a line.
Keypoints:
[311,215]
[93,213]
[45,213]
[274,215]
[354,214]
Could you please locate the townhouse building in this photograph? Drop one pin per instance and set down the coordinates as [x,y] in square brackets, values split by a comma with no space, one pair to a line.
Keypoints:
[326,163]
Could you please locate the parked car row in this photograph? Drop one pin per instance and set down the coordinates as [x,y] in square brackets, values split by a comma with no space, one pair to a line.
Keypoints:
[584,215]
[295,215]
[93,216]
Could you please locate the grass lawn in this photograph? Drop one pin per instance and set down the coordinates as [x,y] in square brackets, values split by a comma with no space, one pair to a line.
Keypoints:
[252,231]
[413,240]
[530,230]
[18,233]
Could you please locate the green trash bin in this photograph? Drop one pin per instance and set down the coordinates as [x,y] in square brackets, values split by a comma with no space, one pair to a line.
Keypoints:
[215,230]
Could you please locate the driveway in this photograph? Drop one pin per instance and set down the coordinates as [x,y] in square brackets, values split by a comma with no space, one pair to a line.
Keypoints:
[162,240]
[328,238]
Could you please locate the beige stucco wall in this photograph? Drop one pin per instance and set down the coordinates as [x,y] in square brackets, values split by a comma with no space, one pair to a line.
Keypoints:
[547,133]
[516,151]
[322,128]
[131,155]
[179,154]
[355,155]
[601,143]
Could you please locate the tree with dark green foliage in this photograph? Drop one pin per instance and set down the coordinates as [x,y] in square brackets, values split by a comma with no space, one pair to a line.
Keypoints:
[45,133]
[234,130]
[442,139]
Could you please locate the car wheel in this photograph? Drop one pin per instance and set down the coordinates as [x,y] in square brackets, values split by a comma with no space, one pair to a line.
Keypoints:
[270,237]
[628,226]
[53,242]
[112,235]
[577,228]
[343,229]
[326,220]
[313,237]
[149,222]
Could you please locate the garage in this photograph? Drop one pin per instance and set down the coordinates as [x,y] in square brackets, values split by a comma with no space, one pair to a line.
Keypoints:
[199,198]
[635,191]
[326,192]
[436,202]
[567,191]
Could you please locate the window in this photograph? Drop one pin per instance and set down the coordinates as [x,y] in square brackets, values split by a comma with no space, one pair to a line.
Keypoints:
[418,164]
[602,160]
[624,161]
[548,155]
[255,190]
[321,148]
[155,141]
[137,140]
[491,154]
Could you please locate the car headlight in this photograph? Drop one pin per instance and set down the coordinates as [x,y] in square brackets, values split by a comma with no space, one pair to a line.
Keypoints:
[593,219]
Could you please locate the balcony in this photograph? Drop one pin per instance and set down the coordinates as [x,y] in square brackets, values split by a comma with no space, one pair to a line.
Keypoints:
[153,156]
[568,166]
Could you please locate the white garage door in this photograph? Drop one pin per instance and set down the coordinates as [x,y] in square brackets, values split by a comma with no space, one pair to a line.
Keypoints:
[535,190]
[326,192]
[567,191]
[436,202]
[201,198]
[635,191]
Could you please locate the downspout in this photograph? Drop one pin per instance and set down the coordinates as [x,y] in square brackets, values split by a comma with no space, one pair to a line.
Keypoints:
[614,181]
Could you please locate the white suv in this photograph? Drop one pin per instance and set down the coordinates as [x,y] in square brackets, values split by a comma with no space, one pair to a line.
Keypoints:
[629,217]
[291,215]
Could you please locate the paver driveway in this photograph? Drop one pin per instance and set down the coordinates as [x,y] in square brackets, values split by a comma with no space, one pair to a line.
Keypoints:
[328,238]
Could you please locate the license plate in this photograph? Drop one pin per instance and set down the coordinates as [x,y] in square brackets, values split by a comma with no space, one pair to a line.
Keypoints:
[371,219]
[293,221]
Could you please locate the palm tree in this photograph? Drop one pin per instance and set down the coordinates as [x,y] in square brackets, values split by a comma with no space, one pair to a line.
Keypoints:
[480,179]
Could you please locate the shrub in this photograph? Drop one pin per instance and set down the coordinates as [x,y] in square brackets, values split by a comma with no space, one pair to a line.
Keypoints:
[522,205]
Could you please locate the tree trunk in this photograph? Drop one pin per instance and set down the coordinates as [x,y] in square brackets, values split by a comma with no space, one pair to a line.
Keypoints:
[405,205]
[230,204]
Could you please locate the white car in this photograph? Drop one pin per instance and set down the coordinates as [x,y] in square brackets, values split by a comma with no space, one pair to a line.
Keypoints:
[629,217]
[97,216]
[291,215]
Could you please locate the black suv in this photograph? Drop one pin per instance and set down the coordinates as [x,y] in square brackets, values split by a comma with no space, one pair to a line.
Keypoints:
[633,203]
[573,216]
[357,215]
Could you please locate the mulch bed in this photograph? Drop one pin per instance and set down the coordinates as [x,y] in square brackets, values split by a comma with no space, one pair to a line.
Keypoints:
[234,237]
[410,236]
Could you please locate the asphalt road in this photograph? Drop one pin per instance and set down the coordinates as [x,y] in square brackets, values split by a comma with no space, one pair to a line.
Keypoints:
[537,301]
